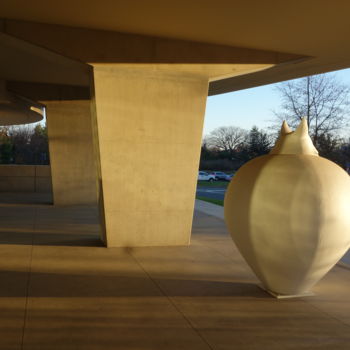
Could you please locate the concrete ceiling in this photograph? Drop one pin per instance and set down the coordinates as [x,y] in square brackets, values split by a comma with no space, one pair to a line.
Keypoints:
[304,27]
[317,28]
[20,60]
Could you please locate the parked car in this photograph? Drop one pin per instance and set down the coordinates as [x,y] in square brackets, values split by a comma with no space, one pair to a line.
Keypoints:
[203,176]
[221,176]
[229,177]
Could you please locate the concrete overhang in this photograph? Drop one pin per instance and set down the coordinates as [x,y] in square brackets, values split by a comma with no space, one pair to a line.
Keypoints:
[40,47]
[20,60]
[38,73]
[316,29]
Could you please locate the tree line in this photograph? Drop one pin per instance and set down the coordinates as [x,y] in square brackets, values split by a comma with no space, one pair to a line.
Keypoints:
[228,148]
[321,99]
[24,145]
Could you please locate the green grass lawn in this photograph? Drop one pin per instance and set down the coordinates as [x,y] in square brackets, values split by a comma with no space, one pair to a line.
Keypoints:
[211,200]
[222,184]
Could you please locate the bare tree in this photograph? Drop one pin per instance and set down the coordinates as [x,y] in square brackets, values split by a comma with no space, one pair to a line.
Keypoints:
[226,138]
[322,99]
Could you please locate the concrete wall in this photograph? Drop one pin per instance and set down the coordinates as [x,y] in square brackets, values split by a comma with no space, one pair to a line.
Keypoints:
[71,152]
[25,178]
[149,129]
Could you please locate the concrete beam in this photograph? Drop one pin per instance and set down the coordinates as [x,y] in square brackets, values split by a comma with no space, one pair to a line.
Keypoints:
[23,61]
[49,92]
[103,46]
[71,152]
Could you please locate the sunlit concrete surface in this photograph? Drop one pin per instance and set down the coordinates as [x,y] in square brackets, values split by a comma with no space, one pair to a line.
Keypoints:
[150,128]
[61,289]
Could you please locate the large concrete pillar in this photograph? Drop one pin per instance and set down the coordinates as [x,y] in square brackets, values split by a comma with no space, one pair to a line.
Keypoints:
[149,126]
[71,152]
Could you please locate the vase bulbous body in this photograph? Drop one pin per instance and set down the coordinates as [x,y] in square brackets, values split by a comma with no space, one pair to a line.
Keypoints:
[289,215]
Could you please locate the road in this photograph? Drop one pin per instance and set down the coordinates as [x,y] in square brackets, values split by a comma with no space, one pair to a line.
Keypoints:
[211,192]
[346,258]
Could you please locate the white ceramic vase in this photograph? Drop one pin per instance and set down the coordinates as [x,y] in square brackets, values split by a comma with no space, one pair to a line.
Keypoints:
[289,213]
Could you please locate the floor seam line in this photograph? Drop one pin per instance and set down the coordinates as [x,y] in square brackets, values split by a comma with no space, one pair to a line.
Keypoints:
[28,279]
[327,313]
[170,301]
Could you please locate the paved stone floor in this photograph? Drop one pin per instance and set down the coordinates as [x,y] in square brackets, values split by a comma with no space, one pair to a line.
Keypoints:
[60,289]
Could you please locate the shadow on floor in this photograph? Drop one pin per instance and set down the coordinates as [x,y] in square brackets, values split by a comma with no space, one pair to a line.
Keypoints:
[77,286]
[50,239]
[49,225]
[26,198]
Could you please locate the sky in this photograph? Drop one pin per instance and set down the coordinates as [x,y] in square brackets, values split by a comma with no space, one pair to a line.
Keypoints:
[249,107]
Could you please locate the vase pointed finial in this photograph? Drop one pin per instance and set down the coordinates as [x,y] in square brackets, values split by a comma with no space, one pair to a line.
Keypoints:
[285,129]
[297,142]
[302,129]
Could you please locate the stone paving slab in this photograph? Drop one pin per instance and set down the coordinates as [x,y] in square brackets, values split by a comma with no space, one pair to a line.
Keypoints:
[60,289]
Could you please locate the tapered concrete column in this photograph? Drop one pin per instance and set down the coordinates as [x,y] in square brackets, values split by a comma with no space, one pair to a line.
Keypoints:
[71,152]
[149,126]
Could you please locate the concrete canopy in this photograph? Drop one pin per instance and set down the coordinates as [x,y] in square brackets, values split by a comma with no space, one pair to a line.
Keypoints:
[119,73]
[315,29]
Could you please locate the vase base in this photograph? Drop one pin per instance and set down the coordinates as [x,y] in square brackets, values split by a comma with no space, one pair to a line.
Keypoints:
[285,296]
